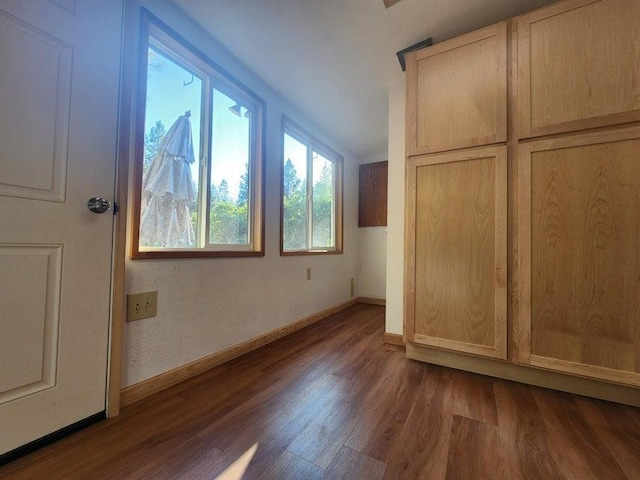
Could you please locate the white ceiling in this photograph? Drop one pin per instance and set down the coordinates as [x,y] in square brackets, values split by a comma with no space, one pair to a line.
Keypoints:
[333,59]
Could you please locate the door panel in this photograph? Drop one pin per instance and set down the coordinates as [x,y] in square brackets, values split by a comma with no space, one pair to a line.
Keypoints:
[456,271]
[59,80]
[578,66]
[39,81]
[581,198]
[457,92]
[29,332]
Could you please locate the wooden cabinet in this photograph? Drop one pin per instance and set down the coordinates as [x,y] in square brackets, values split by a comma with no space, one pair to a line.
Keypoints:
[372,194]
[457,92]
[578,66]
[579,234]
[456,294]
[573,198]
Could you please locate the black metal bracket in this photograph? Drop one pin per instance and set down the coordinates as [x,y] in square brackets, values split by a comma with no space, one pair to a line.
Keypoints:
[424,43]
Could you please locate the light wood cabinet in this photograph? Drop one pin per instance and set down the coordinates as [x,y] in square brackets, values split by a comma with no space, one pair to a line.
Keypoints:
[457,92]
[456,294]
[579,234]
[578,66]
[572,194]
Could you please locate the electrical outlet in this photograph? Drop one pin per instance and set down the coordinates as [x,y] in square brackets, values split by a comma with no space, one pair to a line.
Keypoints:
[308,273]
[353,287]
[141,305]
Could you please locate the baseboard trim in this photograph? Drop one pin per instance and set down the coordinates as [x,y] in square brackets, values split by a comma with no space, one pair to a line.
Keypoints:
[146,388]
[393,339]
[525,374]
[372,301]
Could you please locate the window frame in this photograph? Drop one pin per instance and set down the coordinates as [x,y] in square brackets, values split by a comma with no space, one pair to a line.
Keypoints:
[291,128]
[154,32]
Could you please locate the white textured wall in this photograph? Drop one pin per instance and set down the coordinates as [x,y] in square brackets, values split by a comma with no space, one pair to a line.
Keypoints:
[372,254]
[207,305]
[372,262]
[395,207]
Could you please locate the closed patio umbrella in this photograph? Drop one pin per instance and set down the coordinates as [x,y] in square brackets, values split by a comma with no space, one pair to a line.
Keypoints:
[168,191]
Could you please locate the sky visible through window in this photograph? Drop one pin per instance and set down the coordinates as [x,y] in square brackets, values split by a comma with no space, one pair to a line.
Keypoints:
[168,97]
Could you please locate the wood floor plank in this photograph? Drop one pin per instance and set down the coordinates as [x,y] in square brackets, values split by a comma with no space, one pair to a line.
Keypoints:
[291,467]
[474,450]
[524,441]
[422,449]
[352,465]
[185,461]
[474,397]
[273,433]
[324,437]
[578,452]
[618,430]
[386,410]
[293,408]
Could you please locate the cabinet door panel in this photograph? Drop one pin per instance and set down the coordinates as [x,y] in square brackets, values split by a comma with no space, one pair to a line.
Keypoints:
[583,278]
[457,92]
[578,66]
[456,271]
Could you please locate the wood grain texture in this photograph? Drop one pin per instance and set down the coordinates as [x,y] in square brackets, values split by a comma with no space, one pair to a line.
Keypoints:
[426,429]
[304,406]
[589,458]
[579,209]
[158,383]
[475,398]
[627,395]
[578,66]
[523,435]
[372,194]
[456,231]
[473,452]
[290,467]
[513,307]
[457,92]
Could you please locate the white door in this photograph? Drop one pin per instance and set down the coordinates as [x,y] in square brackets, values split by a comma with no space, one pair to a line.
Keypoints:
[59,80]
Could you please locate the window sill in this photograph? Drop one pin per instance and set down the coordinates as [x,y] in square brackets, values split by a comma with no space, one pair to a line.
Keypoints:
[309,252]
[158,255]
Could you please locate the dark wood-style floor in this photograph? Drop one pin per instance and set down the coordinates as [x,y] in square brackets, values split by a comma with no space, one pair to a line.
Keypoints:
[332,401]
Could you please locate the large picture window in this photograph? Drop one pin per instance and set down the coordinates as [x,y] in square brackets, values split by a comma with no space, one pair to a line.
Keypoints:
[311,194]
[199,160]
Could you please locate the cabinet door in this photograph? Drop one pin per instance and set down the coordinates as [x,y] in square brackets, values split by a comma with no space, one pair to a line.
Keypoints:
[578,66]
[456,255]
[457,92]
[372,194]
[579,234]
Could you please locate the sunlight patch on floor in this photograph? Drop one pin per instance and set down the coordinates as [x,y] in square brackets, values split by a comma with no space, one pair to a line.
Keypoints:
[236,470]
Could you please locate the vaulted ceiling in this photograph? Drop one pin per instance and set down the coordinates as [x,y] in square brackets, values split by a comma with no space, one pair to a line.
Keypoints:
[333,59]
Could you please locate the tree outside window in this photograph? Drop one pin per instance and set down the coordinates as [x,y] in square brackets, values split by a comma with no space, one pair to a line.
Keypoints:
[311,194]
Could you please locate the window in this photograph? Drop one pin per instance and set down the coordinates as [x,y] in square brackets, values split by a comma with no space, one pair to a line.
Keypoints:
[311,194]
[199,160]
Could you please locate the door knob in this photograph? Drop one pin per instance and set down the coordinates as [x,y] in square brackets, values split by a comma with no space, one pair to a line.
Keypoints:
[98,204]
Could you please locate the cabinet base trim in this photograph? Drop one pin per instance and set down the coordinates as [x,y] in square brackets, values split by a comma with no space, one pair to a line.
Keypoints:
[525,374]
